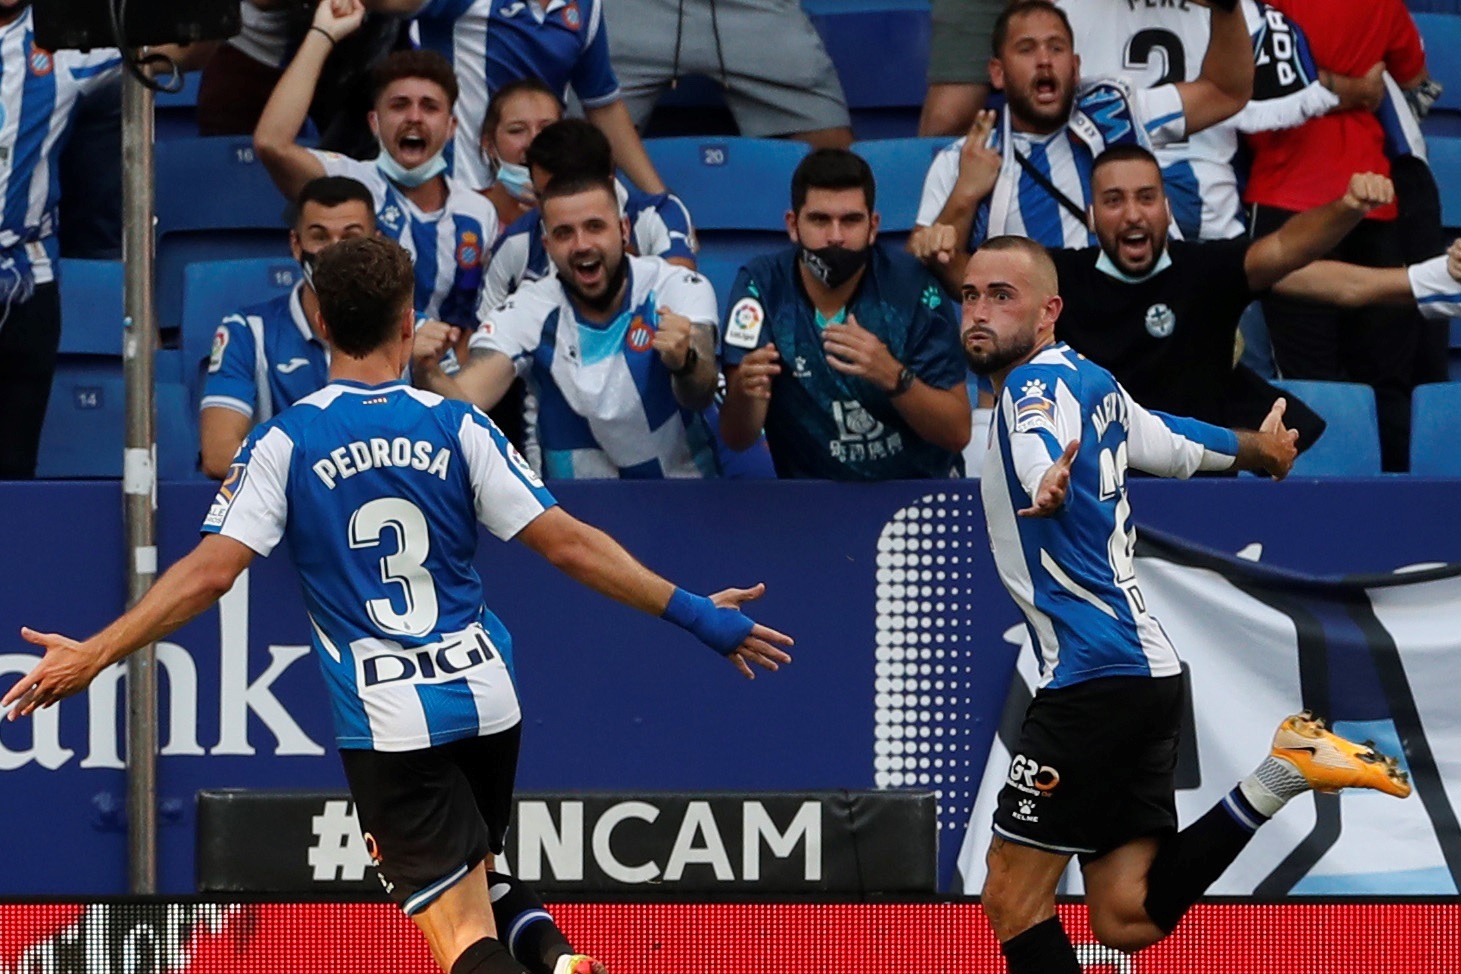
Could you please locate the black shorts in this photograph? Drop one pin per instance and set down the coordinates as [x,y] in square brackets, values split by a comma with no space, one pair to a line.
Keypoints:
[1093,768]
[429,816]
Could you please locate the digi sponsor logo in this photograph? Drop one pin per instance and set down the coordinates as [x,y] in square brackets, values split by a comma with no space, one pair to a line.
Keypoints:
[1032,777]
[440,663]
[640,336]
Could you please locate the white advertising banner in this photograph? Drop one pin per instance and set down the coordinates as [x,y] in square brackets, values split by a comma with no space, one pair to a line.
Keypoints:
[1378,657]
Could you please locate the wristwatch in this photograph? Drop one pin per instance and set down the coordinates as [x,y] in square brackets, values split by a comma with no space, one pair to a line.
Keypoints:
[692,359]
[904,383]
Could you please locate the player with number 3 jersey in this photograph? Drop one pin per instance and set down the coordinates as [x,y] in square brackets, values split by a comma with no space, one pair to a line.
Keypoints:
[378,489]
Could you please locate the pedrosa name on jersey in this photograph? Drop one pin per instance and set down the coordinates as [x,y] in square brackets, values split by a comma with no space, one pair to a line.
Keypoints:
[359,456]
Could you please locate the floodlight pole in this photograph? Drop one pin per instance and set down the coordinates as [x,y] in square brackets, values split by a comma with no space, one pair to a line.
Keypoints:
[139,476]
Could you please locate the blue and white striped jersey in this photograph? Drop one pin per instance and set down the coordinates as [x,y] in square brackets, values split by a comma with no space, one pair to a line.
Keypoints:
[448,248]
[378,490]
[606,407]
[1151,45]
[1105,112]
[659,226]
[491,42]
[265,358]
[1072,574]
[38,93]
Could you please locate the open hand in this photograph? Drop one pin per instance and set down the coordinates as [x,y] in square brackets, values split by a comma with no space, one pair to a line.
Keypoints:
[1050,496]
[760,647]
[853,350]
[64,669]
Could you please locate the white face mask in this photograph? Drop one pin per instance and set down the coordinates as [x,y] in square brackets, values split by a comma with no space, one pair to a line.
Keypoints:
[410,178]
[517,179]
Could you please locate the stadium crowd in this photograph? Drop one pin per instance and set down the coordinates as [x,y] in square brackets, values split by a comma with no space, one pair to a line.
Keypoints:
[1196,170]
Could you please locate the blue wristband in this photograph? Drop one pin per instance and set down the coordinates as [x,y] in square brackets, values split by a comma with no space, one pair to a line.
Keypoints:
[723,630]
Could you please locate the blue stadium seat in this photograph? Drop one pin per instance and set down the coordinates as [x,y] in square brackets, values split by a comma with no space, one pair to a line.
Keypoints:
[214,289]
[737,191]
[1350,446]
[86,421]
[1435,430]
[91,307]
[1445,160]
[880,50]
[729,183]
[1442,35]
[175,113]
[214,202]
[899,166]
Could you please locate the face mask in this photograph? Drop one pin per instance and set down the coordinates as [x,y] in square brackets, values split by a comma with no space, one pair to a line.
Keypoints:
[517,180]
[835,266]
[409,178]
[307,265]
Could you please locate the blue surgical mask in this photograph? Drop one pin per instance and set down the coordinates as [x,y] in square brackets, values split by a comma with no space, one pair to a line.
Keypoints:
[517,179]
[410,178]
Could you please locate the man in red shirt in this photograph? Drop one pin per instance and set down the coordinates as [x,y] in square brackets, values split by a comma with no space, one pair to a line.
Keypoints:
[1301,168]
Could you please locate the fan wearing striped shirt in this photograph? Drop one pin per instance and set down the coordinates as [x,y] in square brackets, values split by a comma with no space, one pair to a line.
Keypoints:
[1026,170]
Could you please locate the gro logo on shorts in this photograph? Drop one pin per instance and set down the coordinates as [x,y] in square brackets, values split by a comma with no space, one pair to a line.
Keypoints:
[1029,775]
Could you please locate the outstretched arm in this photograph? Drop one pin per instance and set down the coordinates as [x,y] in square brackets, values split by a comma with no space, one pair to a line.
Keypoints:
[1347,285]
[186,589]
[1314,233]
[1226,81]
[629,155]
[591,557]
[290,164]
[943,243]
[1177,446]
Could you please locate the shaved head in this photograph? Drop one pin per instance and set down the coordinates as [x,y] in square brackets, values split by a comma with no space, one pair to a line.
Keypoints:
[1010,302]
[1043,276]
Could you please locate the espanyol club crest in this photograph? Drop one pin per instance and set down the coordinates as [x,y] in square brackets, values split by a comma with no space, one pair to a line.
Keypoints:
[571,17]
[640,336]
[1160,320]
[469,253]
[41,63]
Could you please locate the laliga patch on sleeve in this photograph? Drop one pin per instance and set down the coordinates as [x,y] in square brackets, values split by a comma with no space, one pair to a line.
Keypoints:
[227,491]
[220,342]
[743,327]
[1034,409]
[523,467]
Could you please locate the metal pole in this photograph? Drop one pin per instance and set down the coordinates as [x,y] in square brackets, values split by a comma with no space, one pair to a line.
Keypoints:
[139,477]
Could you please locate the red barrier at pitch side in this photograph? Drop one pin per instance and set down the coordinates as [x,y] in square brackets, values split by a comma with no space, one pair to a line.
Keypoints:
[149,937]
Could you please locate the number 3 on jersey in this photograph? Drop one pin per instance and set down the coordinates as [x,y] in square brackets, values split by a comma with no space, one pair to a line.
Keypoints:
[405,567]
[1122,544]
